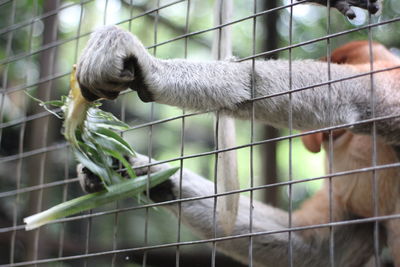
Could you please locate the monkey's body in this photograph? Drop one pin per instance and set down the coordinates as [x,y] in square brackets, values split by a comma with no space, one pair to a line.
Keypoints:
[227,86]
[353,195]
[356,194]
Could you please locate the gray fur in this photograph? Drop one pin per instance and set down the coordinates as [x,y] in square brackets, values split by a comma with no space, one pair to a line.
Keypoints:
[353,244]
[227,86]
[222,85]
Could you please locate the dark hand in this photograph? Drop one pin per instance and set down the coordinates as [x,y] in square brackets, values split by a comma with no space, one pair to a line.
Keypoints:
[105,67]
[91,183]
[344,6]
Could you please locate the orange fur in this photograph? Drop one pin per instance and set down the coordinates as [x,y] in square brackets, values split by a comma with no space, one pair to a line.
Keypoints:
[357,52]
[353,193]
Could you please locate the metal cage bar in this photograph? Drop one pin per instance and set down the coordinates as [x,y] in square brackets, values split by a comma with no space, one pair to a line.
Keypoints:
[45,188]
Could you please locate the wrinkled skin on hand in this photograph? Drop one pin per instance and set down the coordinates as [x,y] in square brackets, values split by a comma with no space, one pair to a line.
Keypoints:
[109,64]
[344,6]
[104,68]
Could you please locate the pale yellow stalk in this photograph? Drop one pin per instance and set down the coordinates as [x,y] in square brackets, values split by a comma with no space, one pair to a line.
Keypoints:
[75,110]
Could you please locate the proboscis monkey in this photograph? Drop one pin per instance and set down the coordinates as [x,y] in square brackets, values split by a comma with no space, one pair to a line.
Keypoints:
[210,85]
[354,193]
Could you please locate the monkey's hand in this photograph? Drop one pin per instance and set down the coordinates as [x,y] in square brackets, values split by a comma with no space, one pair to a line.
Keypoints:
[109,64]
[344,6]
[91,183]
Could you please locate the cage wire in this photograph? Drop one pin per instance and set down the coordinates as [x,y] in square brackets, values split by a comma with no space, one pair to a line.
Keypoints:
[42,39]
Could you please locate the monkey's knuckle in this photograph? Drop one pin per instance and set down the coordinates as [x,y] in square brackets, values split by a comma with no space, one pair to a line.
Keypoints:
[140,164]
[139,160]
[88,181]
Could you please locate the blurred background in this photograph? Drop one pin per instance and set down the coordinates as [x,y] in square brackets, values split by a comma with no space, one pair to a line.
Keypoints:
[40,40]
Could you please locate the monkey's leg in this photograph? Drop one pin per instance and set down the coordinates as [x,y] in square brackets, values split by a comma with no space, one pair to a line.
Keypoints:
[312,212]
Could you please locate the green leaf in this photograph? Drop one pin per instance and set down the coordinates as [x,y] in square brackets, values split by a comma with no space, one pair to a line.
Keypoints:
[95,167]
[112,140]
[33,98]
[128,188]
[43,104]
[99,118]
[124,162]
[99,147]
[102,158]
[55,103]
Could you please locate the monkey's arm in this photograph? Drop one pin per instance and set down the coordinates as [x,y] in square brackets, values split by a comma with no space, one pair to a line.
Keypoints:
[115,60]
[353,244]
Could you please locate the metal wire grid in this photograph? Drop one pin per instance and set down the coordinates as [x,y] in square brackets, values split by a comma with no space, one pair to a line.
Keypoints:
[9,30]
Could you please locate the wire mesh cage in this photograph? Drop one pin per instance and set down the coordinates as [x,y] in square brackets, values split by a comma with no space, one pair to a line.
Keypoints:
[351,219]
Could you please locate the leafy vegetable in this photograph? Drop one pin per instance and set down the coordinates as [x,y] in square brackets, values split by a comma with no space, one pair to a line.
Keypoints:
[92,135]
[118,191]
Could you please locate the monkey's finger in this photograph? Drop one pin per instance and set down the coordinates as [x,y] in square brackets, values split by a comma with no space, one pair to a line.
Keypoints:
[372,6]
[345,9]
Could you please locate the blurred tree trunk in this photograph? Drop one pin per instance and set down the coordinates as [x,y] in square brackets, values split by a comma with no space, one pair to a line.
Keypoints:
[270,42]
[39,131]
